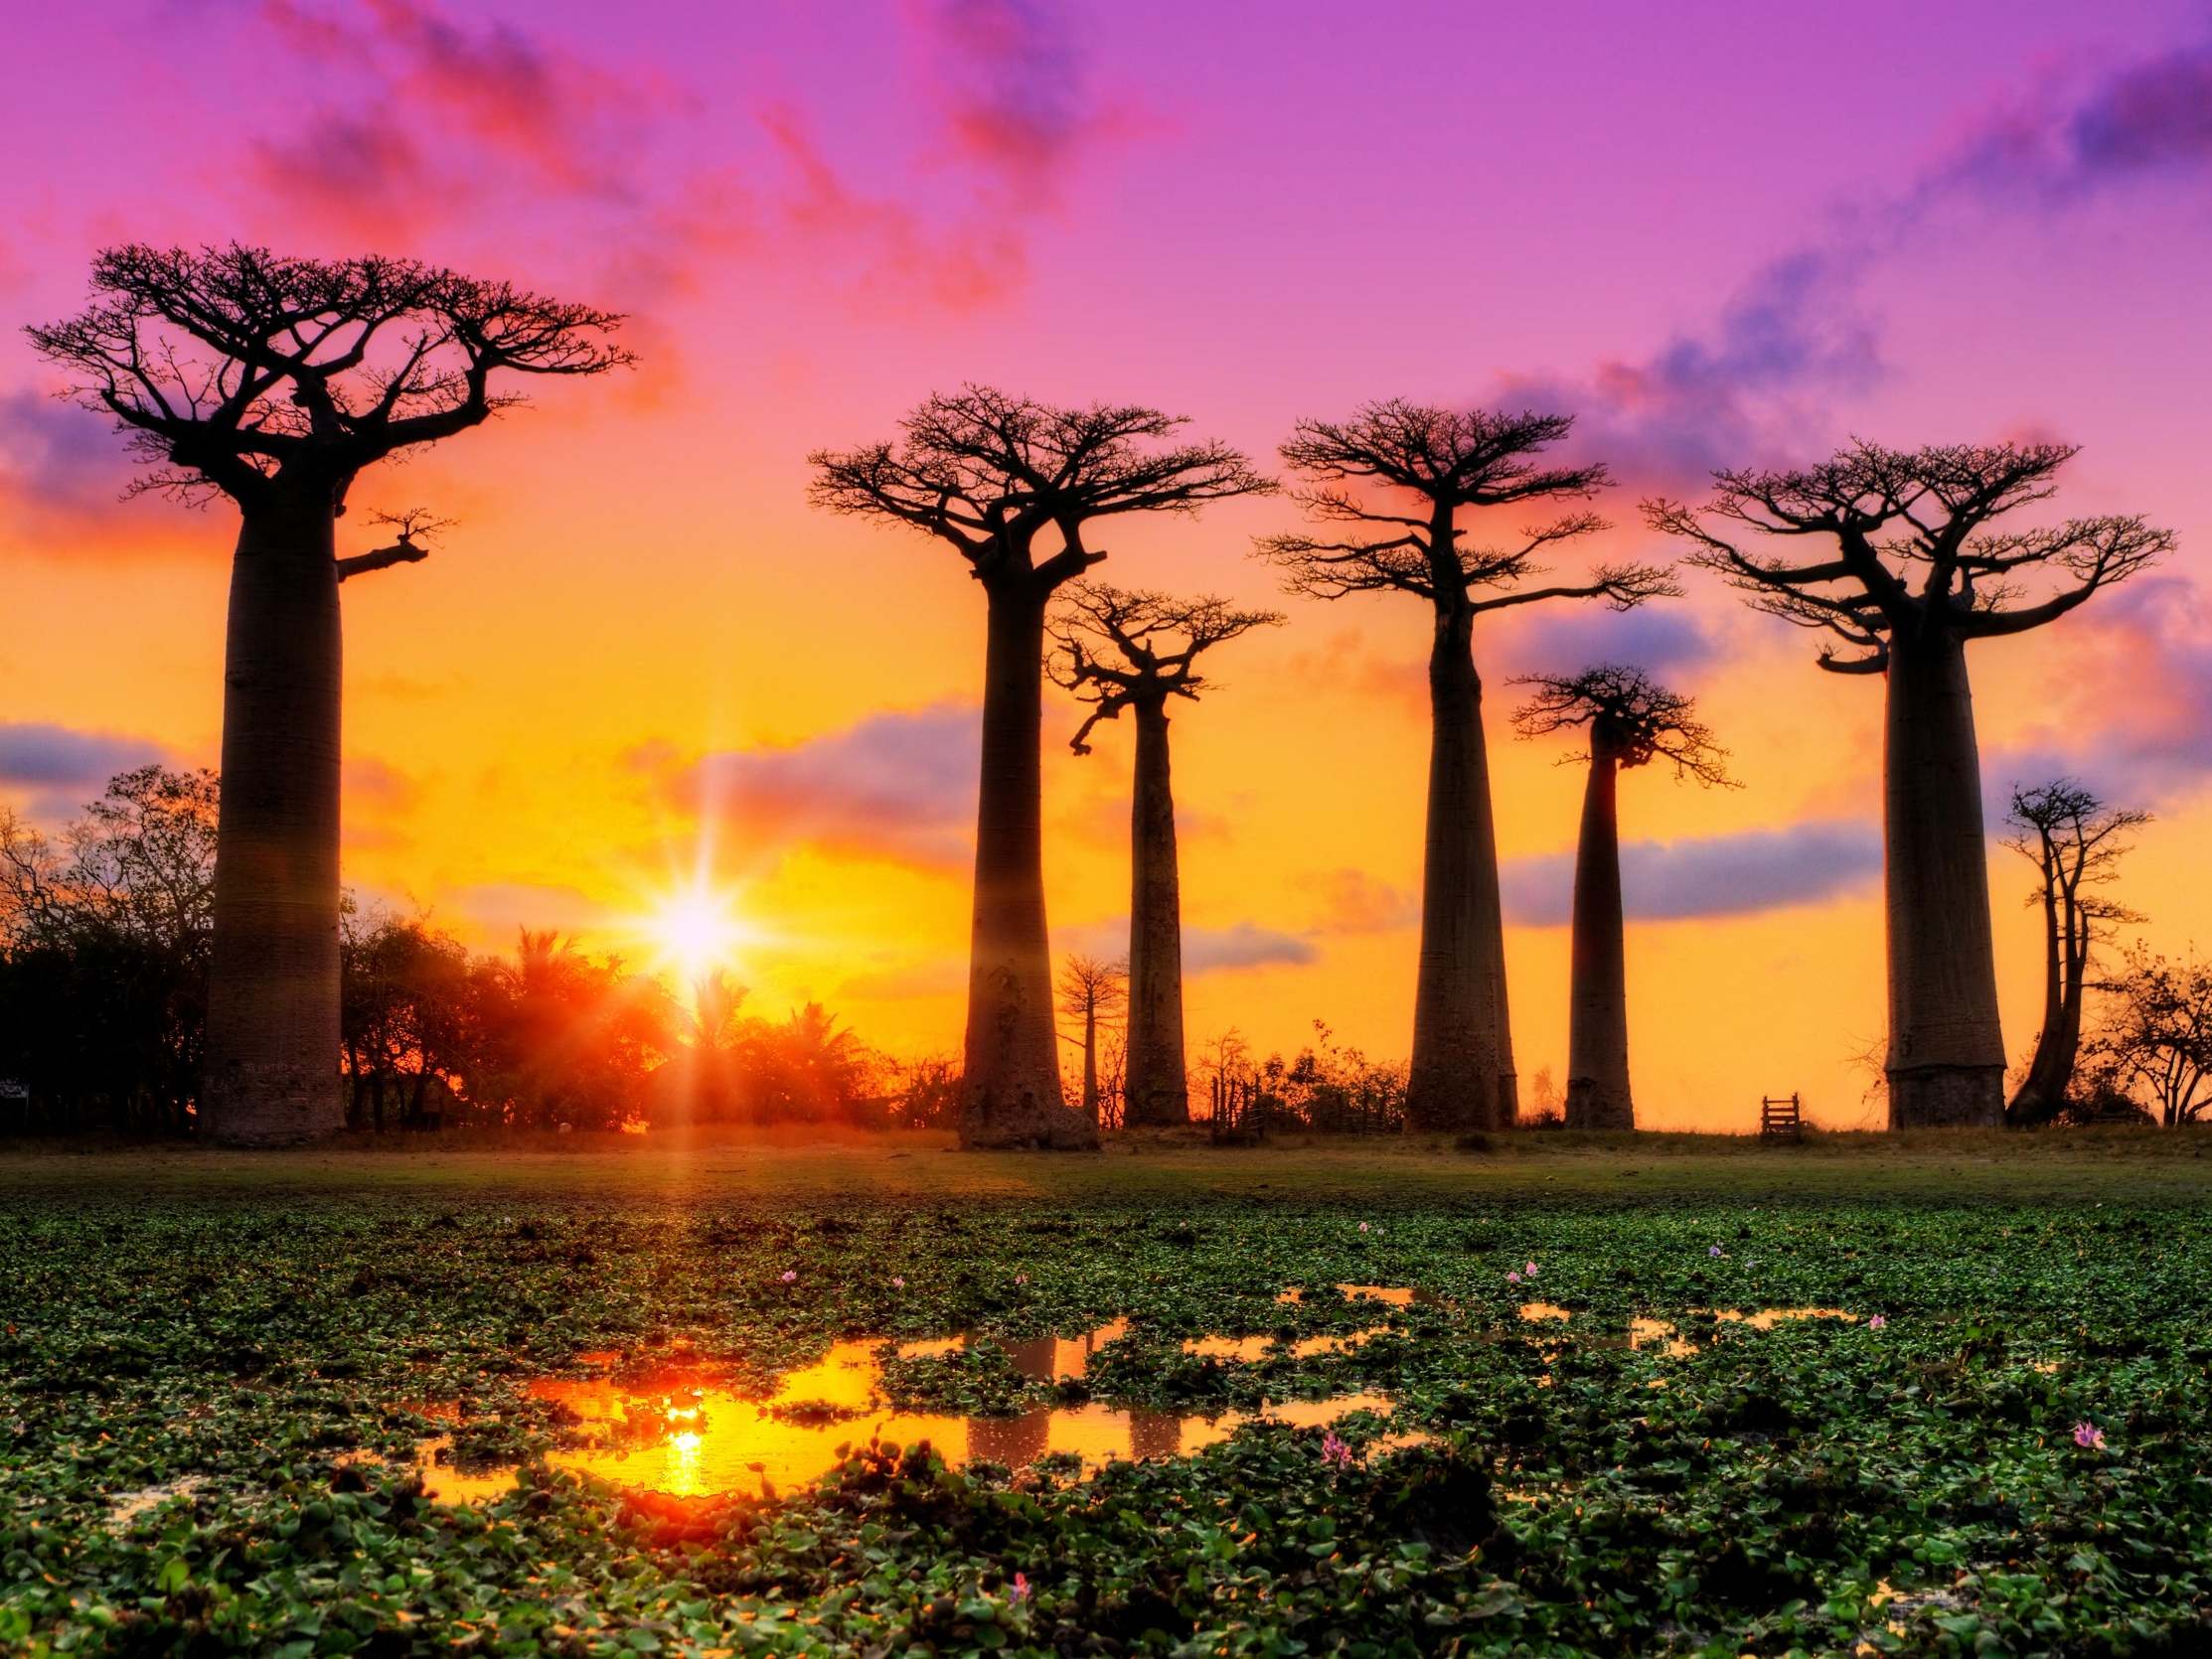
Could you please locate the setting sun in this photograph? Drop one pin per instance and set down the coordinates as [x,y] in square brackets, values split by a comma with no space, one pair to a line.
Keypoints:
[696,930]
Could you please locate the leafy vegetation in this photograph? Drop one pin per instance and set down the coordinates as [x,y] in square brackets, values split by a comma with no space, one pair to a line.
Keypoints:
[188,1374]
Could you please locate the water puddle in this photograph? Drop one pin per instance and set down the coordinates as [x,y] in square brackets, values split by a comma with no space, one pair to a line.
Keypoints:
[687,1434]
[698,1438]
[126,1507]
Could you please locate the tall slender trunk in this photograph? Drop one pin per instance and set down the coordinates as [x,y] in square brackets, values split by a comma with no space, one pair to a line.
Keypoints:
[1155,1090]
[1598,1001]
[273,1047]
[1011,1083]
[1462,1072]
[2050,1069]
[1090,1061]
[1946,1061]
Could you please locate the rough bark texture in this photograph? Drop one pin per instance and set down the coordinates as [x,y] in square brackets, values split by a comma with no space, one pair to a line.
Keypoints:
[1946,1062]
[1011,1083]
[1157,1091]
[274,1041]
[1598,1002]
[1461,1071]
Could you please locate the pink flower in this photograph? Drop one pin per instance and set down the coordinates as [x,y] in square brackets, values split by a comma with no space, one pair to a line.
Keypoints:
[791,1275]
[1363,1227]
[2088,1436]
[897,1284]
[1021,1279]
[1530,1270]
[1876,1323]
[1333,1451]
[1512,1279]
[1018,1592]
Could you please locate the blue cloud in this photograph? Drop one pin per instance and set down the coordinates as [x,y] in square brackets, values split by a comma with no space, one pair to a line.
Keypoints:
[1713,875]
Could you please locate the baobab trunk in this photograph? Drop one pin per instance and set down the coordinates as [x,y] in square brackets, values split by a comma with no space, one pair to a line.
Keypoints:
[1010,1084]
[1945,1063]
[1461,1075]
[2051,1068]
[1090,1062]
[1157,1091]
[1598,1004]
[274,1041]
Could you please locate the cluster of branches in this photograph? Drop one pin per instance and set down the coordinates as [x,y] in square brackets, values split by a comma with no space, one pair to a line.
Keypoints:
[228,367]
[1359,471]
[987,473]
[1630,719]
[1116,649]
[1906,547]
[2151,1050]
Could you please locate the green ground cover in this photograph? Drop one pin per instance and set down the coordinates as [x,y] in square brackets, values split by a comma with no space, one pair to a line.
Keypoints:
[194,1349]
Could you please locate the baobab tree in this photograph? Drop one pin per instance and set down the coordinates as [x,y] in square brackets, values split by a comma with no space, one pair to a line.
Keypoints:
[2075,841]
[275,382]
[1093,994]
[1391,483]
[1631,723]
[1119,651]
[1013,486]
[1909,569]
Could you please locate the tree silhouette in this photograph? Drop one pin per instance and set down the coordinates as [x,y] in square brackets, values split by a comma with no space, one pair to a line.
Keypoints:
[1395,478]
[1012,485]
[2155,1035]
[1631,723]
[1909,570]
[1119,651]
[1093,992]
[2075,841]
[275,382]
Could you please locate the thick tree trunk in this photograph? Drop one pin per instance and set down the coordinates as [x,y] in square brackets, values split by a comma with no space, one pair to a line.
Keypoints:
[273,1072]
[1946,1061]
[1155,1090]
[1011,1082]
[1598,1001]
[1461,1071]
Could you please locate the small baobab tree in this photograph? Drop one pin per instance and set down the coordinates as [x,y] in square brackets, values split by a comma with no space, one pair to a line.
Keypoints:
[1910,568]
[1093,994]
[1013,486]
[1117,651]
[1631,723]
[1387,490]
[2075,841]
[275,382]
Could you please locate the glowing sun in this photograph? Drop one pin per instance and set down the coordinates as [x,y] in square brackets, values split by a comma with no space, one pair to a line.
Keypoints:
[698,929]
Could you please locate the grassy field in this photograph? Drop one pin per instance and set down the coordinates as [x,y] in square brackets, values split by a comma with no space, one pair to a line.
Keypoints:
[216,1372]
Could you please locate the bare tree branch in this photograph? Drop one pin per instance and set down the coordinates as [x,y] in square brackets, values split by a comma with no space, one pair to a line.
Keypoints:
[1631,718]
[1153,641]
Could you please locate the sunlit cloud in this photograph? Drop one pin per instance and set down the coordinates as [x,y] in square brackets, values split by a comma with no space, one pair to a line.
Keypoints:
[900,787]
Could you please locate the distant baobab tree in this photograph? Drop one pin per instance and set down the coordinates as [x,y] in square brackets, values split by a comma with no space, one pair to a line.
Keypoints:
[1396,477]
[276,382]
[1093,994]
[1909,569]
[1134,651]
[990,475]
[2075,841]
[1631,723]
